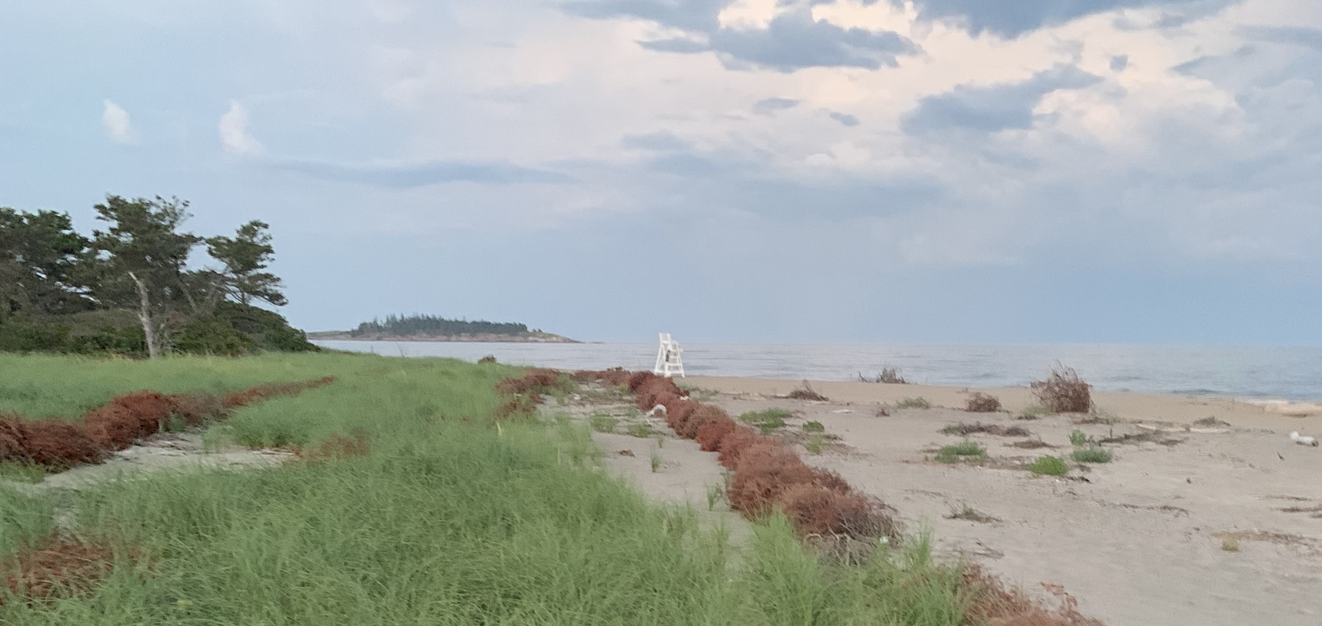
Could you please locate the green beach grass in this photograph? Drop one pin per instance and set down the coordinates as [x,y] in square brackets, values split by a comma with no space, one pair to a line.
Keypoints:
[450,518]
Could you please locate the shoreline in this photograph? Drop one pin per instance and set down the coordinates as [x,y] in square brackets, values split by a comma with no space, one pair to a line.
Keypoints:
[549,339]
[1156,408]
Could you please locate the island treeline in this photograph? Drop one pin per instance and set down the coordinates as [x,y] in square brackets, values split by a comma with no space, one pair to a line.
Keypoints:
[434,326]
[128,288]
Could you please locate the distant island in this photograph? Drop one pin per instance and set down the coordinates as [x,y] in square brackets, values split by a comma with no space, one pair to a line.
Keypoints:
[433,328]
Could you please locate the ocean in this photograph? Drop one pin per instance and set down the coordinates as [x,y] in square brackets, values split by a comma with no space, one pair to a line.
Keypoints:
[1284,373]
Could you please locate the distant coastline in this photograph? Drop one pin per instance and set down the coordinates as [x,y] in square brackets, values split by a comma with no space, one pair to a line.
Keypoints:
[529,337]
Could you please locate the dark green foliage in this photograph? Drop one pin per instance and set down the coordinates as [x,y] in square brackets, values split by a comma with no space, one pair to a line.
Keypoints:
[38,256]
[245,256]
[269,330]
[129,290]
[435,326]
[212,335]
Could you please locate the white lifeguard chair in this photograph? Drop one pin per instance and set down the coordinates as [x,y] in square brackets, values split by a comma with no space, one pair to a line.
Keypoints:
[668,361]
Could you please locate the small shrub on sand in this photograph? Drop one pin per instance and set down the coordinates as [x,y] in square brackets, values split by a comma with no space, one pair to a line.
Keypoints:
[814,427]
[962,450]
[1049,466]
[982,403]
[1092,455]
[814,444]
[806,393]
[1078,438]
[602,423]
[913,403]
[766,420]
[1033,412]
[1063,391]
[888,375]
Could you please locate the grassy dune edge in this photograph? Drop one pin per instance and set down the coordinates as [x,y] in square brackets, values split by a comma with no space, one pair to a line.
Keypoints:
[446,509]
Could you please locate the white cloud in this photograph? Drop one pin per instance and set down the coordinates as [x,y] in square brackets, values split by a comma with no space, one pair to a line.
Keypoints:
[117,122]
[234,131]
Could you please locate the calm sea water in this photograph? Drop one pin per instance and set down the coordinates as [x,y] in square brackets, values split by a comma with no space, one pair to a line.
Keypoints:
[1248,372]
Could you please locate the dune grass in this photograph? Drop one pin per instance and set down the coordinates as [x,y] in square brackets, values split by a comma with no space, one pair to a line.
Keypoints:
[449,518]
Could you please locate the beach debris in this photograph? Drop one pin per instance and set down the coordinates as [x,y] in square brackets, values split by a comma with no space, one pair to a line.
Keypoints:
[806,393]
[1063,391]
[659,409]
[888,375]
[1303,440]
[883,412]
[841,411]
[981,402]
[965,430]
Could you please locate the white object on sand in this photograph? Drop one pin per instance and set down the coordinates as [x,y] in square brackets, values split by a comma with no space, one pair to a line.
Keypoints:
[1302,440]
[659,409]
[668,361]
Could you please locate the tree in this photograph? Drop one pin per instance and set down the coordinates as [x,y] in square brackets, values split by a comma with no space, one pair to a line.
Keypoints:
[39,254]
[245,256]
[141,261]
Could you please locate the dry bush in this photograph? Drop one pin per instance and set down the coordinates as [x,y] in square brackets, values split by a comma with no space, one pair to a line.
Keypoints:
[888,375]
[266,392]
[806,393]
[766,470]
[963,430]
[711,433]
[125,419]
[60,445]
[982,403]
[337,447]
[1063,391]
[994,605]
[12,439]
[636,380]
[817,510]
[705,414]
[733,445]
[613,376]
[651,392]
[679,411]
[59,567]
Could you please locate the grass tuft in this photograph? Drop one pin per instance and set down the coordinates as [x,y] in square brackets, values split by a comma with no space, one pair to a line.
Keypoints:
[966,449]
[766,420]
[1092,455]
[913,403]
[1049,466]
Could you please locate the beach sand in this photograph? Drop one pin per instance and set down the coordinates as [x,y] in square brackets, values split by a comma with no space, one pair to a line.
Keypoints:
[1212,524]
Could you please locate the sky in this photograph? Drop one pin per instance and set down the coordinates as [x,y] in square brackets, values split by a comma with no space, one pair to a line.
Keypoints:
[926,171]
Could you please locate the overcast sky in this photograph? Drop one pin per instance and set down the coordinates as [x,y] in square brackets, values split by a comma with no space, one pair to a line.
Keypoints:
[1126,171]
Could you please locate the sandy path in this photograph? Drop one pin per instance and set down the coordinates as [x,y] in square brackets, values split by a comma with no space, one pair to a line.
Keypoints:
[1137,540]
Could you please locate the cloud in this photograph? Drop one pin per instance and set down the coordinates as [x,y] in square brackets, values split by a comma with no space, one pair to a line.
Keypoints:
[791,41]
[1119,62]
[1294,35]
[844,118]
[117,122]
[234,131]
[771,105]
[663,141]
[419,174]
[992,108]
[1012,18]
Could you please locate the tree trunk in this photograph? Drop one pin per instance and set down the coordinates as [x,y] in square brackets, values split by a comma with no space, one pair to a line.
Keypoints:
[144,316]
